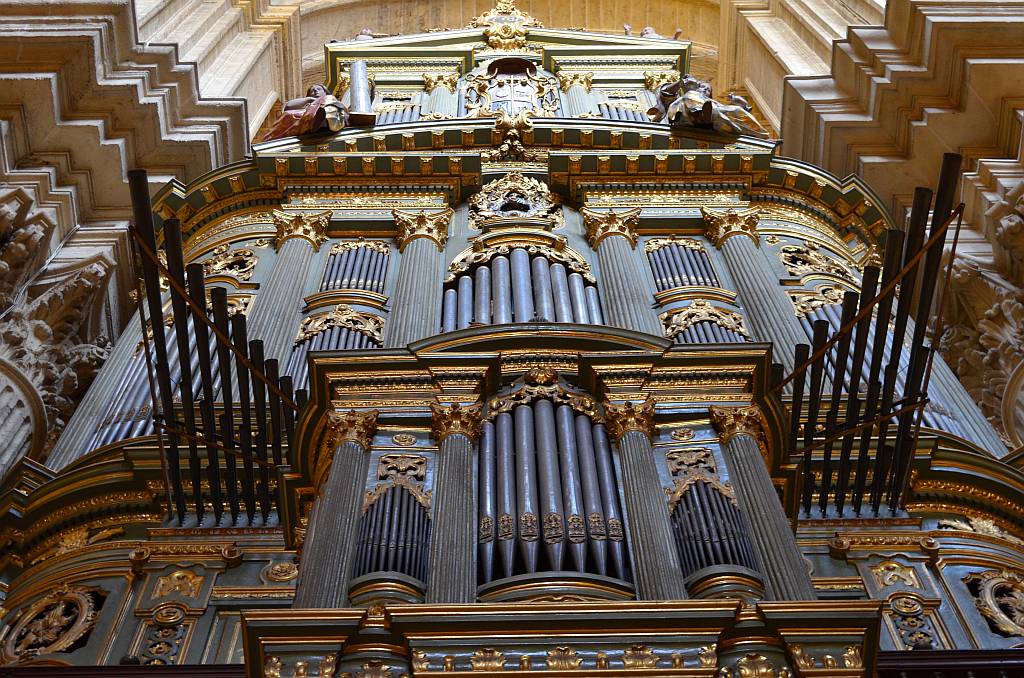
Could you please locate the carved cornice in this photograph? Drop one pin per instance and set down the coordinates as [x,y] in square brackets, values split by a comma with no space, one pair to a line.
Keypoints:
[430,225]
[628,416]
[724,224]
[455,419]
[601,225]
[447,80]
[575,79]
[310,227]
[732,421]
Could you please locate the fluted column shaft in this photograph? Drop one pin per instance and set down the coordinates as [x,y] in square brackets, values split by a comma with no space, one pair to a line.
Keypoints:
[769,309]
[451,575]
[275,313]
[326,566]
[784,570]
[626,301]
[579,102]
[416,304]
[657,573]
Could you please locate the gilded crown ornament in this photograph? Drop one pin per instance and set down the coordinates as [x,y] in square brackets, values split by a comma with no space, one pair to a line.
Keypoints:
[309,227]
[628,416]
[601,225]
[455,419]
[732,421]
[430,225]
[724,224]
[505,26]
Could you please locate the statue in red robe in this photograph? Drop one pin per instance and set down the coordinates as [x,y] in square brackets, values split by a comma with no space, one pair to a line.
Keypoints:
[315,112]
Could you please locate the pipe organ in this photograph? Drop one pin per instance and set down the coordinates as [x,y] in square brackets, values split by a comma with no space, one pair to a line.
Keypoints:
[506,376]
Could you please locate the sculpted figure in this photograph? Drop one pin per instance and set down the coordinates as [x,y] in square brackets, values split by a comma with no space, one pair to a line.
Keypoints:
[689,103]
[314,112]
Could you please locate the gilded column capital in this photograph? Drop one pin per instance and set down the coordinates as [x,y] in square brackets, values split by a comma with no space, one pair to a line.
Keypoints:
[731,421]
[455,418]
[431,225]
[447,80]
[352,427]
[628,416]
[601,225]
[724,224]
[310,227]
[571,79]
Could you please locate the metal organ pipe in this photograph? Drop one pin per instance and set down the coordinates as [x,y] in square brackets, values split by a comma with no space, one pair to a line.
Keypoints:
[679,265]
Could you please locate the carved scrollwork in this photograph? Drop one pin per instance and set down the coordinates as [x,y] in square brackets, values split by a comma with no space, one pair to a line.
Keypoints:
[515,196]
[406,465]
[345,316]
[348,245]
[239,264]
[999,596]
[505,26]
[184,582]
[701,310]
[978,525]
[732,421]
[565,256]
[724,224]
[601,225]
[807,259]
[51,624]
[309,227]
[423,497]
[491,90]
[689,467]
[893,573]
[430,225]
[655,244]
[806,302]
[540,384]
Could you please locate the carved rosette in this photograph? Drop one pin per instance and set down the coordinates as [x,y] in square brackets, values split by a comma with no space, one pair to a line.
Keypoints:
[628,417]
[432,81]
[731,421]
[430,225]
[310,227]
[455,419]
[577,79]
[601,225]
[724,224]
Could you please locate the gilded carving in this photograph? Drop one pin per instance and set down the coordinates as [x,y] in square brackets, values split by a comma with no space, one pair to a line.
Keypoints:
[487,659]
[281,572]
[542,383]
[344,316]
[682,434]
[430,225]
[628,416]
[328,666]
[184,582]
[999,596]
[272,667]
[725,223]
[455,419]
[432,81]
[655,79]
[238,264]
[405,465]
[979,525]
[353,426]
[754,665]
[852,657]
[375,668]
[309,227]
[51,624]
[690,466]
[655,244]
[514,196]
[403,439]
[420,661]
[505,26]
[731,421]
[563,658]
[639,657]
[481,254]
[806,260]
[807,302]
[601,225]
[74,539]
[423,497]
[379,246]
[893,573]
[698,311]
[708,655]
[569,79]
[801,658]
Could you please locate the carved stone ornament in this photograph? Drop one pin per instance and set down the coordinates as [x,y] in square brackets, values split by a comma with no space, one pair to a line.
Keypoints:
[239,264]
[432,81]
[482,254]
[24,230]
[542,383]
[655,244]
[345,316]
[186,583]
[601,225]
[309,227]
[893,573]
[568,80]
[379,246]
[505,26]
[698,311]
[807,302]
[51,624]
[807,259]
[514,196]
[723,224]
[628,416]
[999,596]
[487,659]
[430,225]
[455,419]
[732,421]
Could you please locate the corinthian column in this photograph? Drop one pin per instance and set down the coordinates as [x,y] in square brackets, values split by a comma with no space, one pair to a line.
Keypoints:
[275,312]
[627,303]
[657,572]
[451,576]
[330,540]
[769,310]
[784,570]
[578,102]
[416,304]
[442,102]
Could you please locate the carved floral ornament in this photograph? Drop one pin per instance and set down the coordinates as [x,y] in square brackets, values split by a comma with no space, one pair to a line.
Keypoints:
[999,596]
[723,224]
[542,382]
[655,79]
[51,624]
[400,470]
[238,264]
[344,316]
[515,196]
[379,246]
[698,311]
[808,259]
[805,303]
[689,466]
[655,244]
[626,417]
[601,225]
[555,254]
[430,225]
[309,227]
[353,426]
[455,419]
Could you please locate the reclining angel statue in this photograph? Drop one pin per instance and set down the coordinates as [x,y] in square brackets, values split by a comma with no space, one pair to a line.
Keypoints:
[688,102]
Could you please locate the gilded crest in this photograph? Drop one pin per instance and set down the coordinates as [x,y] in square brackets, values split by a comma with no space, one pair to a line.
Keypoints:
[183,582]
[51,624]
